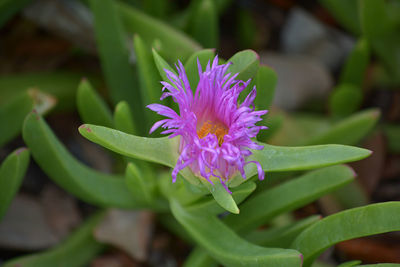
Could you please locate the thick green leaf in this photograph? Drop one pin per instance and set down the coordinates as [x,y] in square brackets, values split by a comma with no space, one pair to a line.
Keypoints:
[246,28]
[176,44]
[265,82]
[12,171]
[148,77]
[288,196]
[281,237]
[140,186]
[162,150]
[191,67]
[245,63]
[77,250]
[60,84]
[346,12]
[364,221]
[381,265]
[111,43]
[123,120]
[223,197]
[91,107]
[204,24]
[89,185]
[356,64]
[279,158]
[349,131]
[345,99]
[209,205]
[13,112]
[162,65]
[278,237]
[227,247]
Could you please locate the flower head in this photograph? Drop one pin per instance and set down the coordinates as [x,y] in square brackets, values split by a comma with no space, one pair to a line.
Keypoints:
[216,131]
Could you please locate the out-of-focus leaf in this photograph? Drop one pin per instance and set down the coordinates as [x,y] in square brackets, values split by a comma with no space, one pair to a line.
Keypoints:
[265,82]
[77,250]
[346,12]
[221,196]
[156,8]
[60,84]
[162,65]
[289,196]
[364,221]
[87,184]
[112,46]
[13,113]
[279,158]
[204,24]
[123,120]
[345,99]
[392,133]
[384,36]
[228,248]
[349,131]
[9,7]
[274,123]
[356,64]
[198,257]
[191,67]
[91,108]
[140,186]
[245,63]
[176,44]
[12,171]
[148,77]
[381,265]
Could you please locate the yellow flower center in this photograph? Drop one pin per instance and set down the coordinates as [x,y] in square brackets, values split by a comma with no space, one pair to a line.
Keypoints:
[217,128]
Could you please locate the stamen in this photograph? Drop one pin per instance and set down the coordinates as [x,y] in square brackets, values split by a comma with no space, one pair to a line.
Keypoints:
[217,128]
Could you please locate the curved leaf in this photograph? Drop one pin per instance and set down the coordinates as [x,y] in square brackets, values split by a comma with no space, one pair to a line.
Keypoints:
[89,185]
[345,99]
[91,108]
[364,221]
[162,65]
[77,250]
[289,196]
[265,82]
[349,264]
[14,111]
[228,248]
[12,172]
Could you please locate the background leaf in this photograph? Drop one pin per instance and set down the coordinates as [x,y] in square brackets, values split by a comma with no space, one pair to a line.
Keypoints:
[12,172]
[91,107]
[191,67]
[204,26]
[123,120]
[112,47]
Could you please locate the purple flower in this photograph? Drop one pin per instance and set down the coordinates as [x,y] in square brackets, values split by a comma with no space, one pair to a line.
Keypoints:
[216,131]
